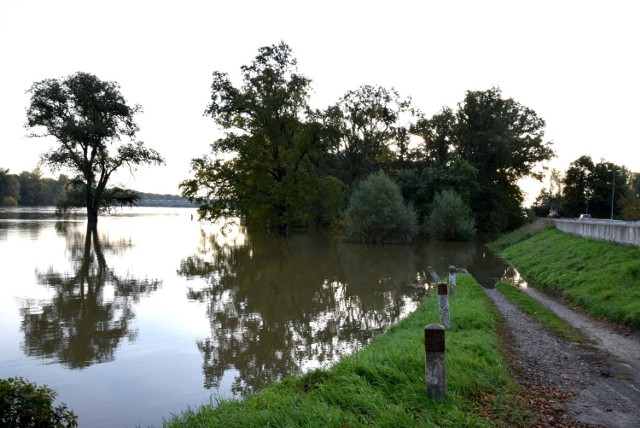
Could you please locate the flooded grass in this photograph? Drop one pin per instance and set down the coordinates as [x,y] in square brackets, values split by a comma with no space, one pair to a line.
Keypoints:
[384,384]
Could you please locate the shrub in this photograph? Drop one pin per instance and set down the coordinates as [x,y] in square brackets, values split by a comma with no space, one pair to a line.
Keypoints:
[9,201]
[450,218]
[24,404]
[378,214]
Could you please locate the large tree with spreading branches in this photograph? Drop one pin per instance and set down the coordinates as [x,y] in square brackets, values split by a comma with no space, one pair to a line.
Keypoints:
[96,134]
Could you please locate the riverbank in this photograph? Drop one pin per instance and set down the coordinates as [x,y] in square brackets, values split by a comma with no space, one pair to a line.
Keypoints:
[600,277]
[384,384]
[495,376]
[600,379]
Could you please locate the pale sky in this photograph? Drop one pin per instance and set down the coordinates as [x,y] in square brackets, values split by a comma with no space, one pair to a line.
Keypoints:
[576,63]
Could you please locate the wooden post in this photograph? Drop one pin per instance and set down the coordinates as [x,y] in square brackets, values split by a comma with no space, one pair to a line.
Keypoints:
[443,299]
[434,361]
[452,280]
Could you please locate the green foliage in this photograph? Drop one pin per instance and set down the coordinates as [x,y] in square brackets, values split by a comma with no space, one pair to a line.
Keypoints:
[551,198]
[74,196]
[437,134]
[450,218]
[599,276]
[378,214]
[31,188]
[277,150]
[9,201]
[481,150]
[368,130]
[89,118]
[520,234]
[263,169]
[591,184]
[9,186]
[630,207]
[630,202]
[383,385]
[24,404]
[503,141]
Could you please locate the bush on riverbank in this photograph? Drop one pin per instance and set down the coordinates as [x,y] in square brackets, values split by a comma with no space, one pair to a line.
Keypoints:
[384,384]
[601,277]
[26,404]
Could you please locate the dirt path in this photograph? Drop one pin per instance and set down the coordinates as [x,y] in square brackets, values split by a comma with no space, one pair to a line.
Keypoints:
[603,377]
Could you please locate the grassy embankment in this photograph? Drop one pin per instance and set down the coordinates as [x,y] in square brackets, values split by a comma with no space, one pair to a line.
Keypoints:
[384,384]
[601,277]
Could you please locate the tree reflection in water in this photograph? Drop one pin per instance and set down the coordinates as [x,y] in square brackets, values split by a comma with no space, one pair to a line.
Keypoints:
[283,305]
[83,324]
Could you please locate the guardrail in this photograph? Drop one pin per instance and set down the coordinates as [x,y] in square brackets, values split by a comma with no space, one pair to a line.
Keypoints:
[627,233]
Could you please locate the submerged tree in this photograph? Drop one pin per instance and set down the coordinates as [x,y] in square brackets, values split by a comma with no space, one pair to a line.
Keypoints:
[450,218]
[89,118]
[378,214]
[261,169]
[367,131]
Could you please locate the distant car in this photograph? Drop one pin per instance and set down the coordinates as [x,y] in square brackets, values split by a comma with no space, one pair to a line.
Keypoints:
[585,217]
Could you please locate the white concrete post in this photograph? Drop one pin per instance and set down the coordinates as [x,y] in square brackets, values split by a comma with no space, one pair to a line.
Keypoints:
[443,299]
[435,365]
[452,280]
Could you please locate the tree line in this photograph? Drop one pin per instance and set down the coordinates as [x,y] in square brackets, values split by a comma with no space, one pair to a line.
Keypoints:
[30,188]
[282,163]
[602,189]
[33,189]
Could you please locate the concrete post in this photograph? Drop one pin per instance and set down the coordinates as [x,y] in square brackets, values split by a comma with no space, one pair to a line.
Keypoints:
[435,365]
[452,280]
[433,274]
[443,299]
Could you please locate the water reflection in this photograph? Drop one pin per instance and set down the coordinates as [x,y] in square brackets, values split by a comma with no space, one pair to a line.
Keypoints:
[91,307]
[234,311]
[512,276]
[283,305]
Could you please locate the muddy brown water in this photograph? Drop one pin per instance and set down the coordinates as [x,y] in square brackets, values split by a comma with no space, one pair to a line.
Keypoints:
[156,312]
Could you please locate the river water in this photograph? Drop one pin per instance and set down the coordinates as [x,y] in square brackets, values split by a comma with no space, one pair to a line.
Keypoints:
[156,312]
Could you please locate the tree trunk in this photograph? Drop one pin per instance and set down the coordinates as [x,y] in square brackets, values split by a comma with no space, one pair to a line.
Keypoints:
[92,216]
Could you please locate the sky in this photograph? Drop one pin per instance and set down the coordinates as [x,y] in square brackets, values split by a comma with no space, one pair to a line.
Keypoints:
[575,63]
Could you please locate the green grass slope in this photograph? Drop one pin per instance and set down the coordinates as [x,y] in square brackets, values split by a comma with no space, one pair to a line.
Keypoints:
[601,277]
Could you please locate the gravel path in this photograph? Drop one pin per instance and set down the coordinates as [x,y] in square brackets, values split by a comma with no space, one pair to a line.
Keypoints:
[603,377]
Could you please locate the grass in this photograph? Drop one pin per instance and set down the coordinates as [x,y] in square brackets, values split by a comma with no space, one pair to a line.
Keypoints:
[384,384]
[601,277]
[521,234]
[540,313]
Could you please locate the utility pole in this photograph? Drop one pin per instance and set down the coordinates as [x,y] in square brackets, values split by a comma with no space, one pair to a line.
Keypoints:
[613,190]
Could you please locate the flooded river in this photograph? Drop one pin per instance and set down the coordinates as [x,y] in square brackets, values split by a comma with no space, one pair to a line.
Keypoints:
[155,312]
